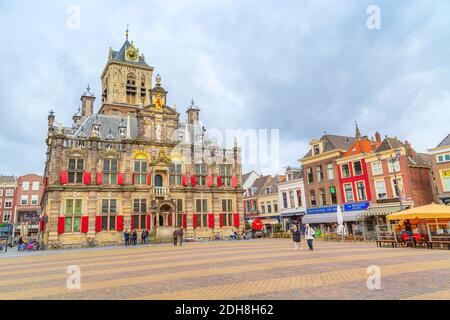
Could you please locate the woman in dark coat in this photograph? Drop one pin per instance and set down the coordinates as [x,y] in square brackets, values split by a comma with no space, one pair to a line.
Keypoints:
[296,236]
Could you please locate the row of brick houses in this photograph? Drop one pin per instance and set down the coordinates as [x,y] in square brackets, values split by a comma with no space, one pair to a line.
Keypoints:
[275,200]
[368,177]
[20,200]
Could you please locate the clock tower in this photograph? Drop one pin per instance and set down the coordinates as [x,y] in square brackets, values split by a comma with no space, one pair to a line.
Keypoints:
[126,81]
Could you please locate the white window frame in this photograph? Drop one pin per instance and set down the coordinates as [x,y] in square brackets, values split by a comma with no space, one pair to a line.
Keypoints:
[400,186]
[396,165]
[9,192]
[444,156]
[375,172]
[26,186]
[376,189]
[345,192]
[342,170]
[354,171]
[34,198]
[7,213]
[365,190]
[330,168]
[35,185]
[24,200]
[8,201]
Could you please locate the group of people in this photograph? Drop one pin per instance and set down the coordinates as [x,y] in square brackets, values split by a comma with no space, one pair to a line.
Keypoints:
[178,237]
[309,235]
[131,237]
[29,243]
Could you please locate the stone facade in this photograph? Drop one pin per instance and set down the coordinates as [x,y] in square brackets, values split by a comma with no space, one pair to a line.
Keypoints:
[136,165]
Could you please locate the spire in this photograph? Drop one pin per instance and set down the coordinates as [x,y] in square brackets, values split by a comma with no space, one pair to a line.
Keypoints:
[358,133]
[126,32]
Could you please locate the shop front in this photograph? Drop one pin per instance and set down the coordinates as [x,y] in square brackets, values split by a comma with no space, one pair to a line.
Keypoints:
[325,218]
[374,219]
[291,218]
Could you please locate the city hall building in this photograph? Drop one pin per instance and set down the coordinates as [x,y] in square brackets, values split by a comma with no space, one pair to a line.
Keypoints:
[136,165]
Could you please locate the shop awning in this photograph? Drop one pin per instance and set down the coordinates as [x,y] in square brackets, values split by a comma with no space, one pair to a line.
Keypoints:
[380,211]
[268,216]
[293,214]
[269,222]
[431,211]
[329,217]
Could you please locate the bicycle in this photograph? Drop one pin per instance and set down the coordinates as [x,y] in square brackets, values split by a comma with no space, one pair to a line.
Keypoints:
[91,242]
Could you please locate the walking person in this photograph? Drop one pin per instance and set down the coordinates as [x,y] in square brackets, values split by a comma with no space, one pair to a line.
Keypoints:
[147,237]
[143,236]
[135,236]
[180,236]
[126,237]
[175,237]
[309,235]
[296,237]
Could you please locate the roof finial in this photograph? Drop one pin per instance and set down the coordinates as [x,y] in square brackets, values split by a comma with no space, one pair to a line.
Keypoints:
[126,32]
[192,102]
[358,133]
[158,80]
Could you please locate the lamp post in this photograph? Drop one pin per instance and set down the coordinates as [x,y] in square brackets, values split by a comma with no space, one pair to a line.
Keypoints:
[393,158]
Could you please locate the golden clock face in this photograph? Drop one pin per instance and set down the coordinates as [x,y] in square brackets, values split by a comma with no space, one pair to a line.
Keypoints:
[132,54]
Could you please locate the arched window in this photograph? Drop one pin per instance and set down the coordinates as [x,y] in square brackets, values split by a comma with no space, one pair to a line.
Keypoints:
[143,89]
[158,180]
[131,84]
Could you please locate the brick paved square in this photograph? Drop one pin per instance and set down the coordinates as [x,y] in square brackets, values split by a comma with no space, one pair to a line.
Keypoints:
[257,269]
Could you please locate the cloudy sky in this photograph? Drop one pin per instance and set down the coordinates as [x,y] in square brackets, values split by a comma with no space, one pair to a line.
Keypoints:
[304,67]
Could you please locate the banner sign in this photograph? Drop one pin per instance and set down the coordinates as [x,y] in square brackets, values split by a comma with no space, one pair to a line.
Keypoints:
[349,207]
[357,206]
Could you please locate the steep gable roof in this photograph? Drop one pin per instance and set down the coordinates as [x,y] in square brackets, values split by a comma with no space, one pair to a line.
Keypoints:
[363,145]
[390,143]
[259,183]
[120,55]
[445,142]
[333,142]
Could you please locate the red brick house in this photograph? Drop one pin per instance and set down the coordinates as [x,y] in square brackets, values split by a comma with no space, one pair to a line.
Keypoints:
[399,178]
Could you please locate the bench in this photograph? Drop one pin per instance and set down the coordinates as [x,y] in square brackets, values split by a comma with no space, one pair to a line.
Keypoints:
[438,242]
[392,242]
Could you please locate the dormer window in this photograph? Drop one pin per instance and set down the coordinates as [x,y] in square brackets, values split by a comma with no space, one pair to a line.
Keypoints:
[122,128]
[316,149]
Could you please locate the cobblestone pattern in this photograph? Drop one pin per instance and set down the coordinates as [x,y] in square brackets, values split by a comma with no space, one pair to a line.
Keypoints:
[262,269]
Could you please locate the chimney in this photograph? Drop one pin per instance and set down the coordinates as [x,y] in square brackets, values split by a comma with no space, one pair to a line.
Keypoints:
[87,103]
[377,137]
[409,150]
